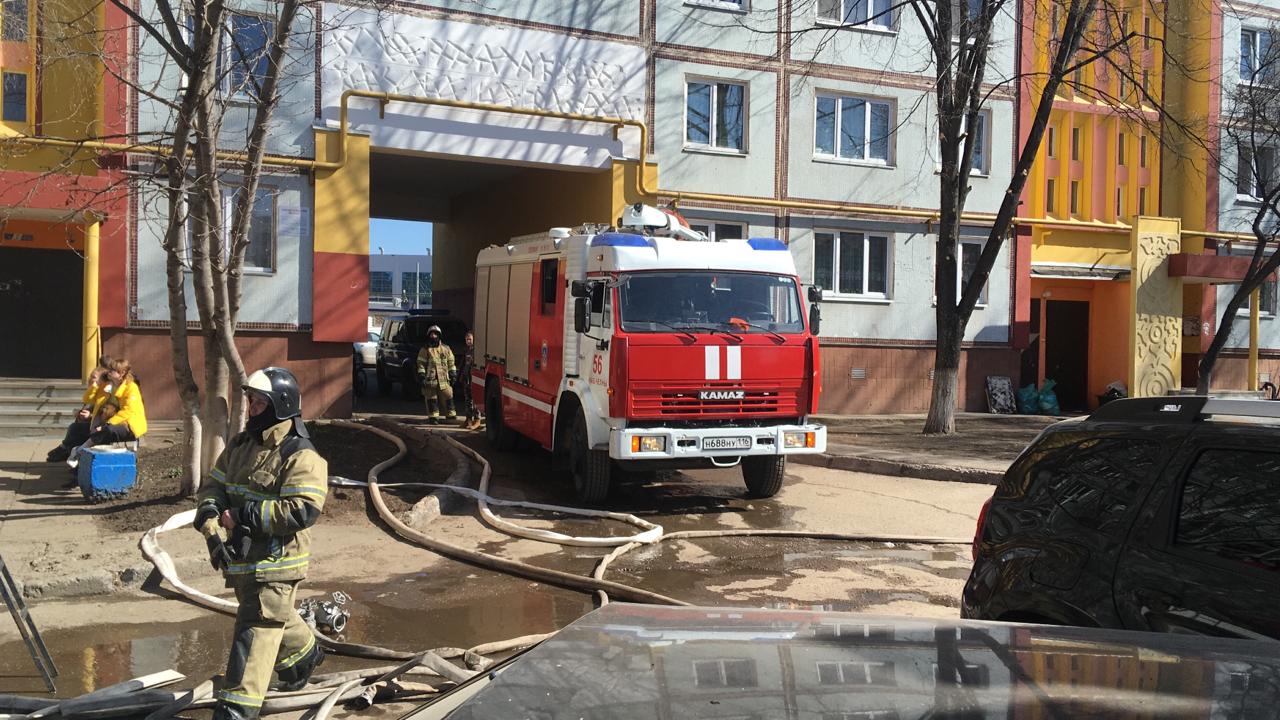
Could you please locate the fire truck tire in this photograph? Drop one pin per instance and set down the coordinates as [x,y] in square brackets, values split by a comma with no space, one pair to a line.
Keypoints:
[500,436]
[763,474]
[384,383]
[590,468]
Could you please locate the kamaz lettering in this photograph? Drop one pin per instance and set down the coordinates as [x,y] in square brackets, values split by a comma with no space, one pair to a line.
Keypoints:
[722,395]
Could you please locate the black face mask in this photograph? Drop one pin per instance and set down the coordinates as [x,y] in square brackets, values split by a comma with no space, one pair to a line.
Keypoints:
[433,341]
[259,423]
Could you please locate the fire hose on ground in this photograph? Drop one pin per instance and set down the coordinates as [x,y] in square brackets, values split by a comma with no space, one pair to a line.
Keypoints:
[326,691]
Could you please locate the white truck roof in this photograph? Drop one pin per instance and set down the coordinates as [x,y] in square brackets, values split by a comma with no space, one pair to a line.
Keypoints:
[624,252]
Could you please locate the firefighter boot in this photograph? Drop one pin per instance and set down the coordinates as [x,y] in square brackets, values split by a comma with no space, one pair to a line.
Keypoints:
[296,676]
[234,711]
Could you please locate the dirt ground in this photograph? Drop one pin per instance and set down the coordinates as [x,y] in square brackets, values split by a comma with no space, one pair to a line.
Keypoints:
[978,439]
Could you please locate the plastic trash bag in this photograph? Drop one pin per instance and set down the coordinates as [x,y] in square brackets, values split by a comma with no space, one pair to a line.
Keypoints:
[1029,400]
[1048,400]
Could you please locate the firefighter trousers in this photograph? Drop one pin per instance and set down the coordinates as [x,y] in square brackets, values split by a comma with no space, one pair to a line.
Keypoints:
[439,398]
[269,637]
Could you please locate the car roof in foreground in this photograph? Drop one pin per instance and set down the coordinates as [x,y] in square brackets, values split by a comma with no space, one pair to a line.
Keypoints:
[646,661]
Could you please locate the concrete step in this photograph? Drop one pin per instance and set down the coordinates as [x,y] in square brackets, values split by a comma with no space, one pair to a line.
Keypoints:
[42,388]
[36,417]
[22,403]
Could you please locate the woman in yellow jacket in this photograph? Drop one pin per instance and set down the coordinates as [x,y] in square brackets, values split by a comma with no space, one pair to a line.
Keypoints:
[128,423]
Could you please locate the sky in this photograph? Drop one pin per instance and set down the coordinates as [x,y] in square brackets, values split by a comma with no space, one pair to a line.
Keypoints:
[399,237]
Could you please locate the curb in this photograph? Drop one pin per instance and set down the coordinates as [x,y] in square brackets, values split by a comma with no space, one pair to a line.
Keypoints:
[98,583]
[922,471]
[440,500]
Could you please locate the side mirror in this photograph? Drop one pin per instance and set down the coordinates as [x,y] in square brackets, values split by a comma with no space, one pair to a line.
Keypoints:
[815,293]
[580,288]
[815,318]
[581,315]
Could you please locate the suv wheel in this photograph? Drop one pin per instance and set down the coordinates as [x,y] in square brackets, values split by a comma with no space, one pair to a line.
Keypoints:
[407,385]
[763,474]
[384,383]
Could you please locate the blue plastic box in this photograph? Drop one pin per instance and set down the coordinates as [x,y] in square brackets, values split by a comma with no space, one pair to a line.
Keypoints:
[106,472]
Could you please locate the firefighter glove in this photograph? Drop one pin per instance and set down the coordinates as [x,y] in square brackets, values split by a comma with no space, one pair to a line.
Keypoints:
[217,552]
[207,511]
[453,377]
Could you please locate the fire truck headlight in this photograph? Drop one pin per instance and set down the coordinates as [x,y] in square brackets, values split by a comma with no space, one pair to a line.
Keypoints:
[648,443]
[799,440]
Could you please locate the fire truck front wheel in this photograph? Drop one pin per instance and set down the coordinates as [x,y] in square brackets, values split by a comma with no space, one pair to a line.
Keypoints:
[590,467]
[763,474]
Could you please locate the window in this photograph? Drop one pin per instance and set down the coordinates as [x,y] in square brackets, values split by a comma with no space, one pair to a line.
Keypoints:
[1050,193]
[705,301]
[970,252]
[964,16]
[416,288]
[1119,203]
[1254,171]
[1146,82]
[715,115]
[1120,149]
[261,251]
[1123,29]
[15,97]
[1255,56]
[1142,201]
[14,22]
[862,715]
[1092,480]
[1123,86]
[1267,296]
[851,263]
[724,673]
[980,143]
[1075,143]
[1146,32]
[857,673]
[719,231]
[967,674]
[718,4]
[1051,142]
[550,276]
[854,630]
[853,128]
[380,287]
[875,13]
[1142,151]
[247,41]
[1230,508]
[1075,197]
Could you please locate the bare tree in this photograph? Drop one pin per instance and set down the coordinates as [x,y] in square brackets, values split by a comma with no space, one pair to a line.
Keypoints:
[1251,137]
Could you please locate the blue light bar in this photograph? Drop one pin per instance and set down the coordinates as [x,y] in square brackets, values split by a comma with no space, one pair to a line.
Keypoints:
[615,239]
[766,244]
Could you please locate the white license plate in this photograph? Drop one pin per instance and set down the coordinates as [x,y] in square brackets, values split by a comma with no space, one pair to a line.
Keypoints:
[726,443]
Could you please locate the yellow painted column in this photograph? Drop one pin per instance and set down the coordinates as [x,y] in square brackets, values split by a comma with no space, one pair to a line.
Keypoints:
[91,338]
[1254,315]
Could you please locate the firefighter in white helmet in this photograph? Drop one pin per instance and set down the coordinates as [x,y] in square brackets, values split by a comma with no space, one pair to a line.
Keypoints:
[436,374]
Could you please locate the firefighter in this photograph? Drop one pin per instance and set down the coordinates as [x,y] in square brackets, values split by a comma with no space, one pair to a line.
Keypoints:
[266,490]
[437,374]
[471,421]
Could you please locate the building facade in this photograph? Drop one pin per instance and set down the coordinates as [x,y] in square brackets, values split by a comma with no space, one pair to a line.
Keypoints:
[806,120]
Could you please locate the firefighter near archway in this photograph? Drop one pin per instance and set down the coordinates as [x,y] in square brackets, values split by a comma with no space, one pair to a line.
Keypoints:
[437,374]
[265,491]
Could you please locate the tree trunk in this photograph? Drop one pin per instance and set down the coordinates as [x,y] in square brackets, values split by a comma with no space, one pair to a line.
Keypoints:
[946,377]
[213,417]
[178,345]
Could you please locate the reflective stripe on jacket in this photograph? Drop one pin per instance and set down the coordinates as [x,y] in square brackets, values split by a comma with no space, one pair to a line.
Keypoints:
[275,499]
[434,365]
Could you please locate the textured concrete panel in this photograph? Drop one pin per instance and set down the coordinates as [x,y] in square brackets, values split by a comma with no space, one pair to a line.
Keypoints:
[1155,342]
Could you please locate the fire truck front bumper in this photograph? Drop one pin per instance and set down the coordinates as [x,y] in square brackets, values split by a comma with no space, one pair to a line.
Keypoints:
[661,443]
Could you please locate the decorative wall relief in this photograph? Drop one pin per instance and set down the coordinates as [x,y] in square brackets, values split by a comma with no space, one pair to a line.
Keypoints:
[1155,345]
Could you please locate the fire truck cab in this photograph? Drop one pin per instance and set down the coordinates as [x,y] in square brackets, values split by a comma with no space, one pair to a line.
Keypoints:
[646,347]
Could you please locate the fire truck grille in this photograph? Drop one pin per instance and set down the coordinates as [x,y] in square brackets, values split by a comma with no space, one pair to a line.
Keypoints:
[714,399]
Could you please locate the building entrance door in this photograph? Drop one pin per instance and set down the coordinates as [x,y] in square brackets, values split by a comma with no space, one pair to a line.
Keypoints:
[40,306]
[1066,352]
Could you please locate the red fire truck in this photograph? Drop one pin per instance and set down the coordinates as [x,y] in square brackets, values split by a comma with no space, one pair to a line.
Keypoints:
[647,347]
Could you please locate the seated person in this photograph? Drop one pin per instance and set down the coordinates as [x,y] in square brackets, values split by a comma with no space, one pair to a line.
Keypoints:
[129,422]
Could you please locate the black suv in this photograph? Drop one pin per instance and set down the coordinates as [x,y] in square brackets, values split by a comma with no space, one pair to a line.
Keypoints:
[1151,514]
[403,336]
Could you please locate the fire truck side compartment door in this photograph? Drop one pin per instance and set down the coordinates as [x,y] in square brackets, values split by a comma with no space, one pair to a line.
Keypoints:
[518,304]
[496,329]
[481,314]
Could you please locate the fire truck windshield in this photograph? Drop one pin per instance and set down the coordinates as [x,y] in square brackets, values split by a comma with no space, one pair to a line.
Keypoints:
[708,302]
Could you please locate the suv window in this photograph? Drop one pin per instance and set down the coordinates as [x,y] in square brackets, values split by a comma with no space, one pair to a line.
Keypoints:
[1230,507]
[1092,479]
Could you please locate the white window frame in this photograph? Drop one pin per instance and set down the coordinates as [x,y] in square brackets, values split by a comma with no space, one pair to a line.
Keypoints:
[226,55]
[982,297]
[742,6]
[1265,309]
[712,227]
[724,678]
[866,158]
[710,146]
[1258,55]
[835,292]
[975,170]
[1256,191]
[854,680]
[228,204]
[886,22]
